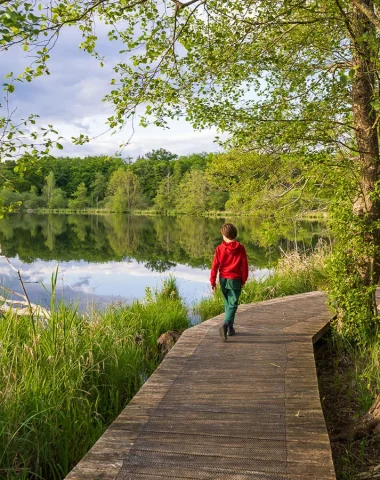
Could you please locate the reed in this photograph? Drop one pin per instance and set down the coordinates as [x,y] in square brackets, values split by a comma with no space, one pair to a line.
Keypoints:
[62,382]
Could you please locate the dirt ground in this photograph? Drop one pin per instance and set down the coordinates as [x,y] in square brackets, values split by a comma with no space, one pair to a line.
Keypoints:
[341,406]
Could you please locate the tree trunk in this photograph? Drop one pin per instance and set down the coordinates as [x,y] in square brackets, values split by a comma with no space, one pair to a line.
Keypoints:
[365,123]
[375,409]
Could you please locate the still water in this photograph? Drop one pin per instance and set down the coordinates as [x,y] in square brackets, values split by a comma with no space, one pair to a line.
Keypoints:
[106,258]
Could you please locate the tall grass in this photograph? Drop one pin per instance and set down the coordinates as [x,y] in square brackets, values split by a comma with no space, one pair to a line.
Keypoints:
[294,273]
[63,382]
[358,367]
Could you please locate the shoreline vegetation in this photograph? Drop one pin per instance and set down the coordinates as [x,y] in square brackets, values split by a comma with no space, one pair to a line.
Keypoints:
[349,382]
[65,381]
[312,215]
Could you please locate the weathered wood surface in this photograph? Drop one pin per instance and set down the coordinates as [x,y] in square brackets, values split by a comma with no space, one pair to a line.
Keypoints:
[248,408]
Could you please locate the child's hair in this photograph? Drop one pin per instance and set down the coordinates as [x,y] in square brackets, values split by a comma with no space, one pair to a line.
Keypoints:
[229,230]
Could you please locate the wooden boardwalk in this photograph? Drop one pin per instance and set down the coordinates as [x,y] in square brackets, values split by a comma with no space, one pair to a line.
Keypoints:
[246,409]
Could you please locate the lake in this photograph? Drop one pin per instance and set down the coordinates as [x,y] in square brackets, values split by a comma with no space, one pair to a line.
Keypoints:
[108,258]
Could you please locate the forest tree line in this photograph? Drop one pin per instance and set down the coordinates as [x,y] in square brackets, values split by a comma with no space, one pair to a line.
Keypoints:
[162,180]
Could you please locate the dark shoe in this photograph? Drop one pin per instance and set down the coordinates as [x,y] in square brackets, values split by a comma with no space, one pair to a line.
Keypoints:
[223,332]
[231,331]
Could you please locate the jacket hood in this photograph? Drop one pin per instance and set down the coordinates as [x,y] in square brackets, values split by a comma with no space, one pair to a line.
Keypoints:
[232,248]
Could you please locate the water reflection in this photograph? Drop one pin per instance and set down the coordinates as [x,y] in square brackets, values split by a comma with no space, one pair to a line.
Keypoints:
[118,256]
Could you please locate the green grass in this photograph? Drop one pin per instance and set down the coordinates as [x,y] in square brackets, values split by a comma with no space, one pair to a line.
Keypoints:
[361,372]
[63,383]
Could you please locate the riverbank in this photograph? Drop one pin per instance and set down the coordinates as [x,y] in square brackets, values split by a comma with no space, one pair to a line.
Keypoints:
[145,212]
[312,215]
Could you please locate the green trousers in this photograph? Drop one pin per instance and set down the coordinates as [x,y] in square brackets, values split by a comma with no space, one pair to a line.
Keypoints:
[231,290]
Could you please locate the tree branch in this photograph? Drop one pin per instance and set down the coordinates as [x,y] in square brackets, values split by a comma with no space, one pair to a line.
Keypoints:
[55,28]
[181,5]
[345,19]
[93,7]
[368,12]
[299,196]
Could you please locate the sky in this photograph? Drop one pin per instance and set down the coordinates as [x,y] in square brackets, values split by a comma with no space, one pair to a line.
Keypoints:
[70,98]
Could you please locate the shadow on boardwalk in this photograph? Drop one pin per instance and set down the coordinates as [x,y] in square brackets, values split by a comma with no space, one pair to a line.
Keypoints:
[245,409]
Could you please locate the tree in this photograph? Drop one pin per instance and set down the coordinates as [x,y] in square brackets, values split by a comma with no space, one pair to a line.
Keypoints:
[284,78]
[167,194]
[217,200]
[263,185]
[151,169]
[9,200]
[98,188]
[193,193]
[31,200]
[69,172]
[49,188]
[80,198]
[160,155]
[124,192]
[54,197]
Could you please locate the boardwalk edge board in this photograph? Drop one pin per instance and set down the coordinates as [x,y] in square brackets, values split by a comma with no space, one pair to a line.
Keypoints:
[248,408]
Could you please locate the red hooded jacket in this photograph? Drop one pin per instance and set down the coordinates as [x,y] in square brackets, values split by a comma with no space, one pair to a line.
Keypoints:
[230,260]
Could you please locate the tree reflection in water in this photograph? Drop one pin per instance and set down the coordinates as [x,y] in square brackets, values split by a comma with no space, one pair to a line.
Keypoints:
[156,241]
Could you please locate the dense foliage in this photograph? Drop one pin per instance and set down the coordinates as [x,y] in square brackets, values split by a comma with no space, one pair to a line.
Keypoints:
[191,184]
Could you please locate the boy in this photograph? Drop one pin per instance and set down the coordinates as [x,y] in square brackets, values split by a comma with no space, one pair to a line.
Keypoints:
[231,261]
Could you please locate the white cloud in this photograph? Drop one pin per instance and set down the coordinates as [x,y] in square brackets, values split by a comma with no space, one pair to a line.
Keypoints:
[71,99]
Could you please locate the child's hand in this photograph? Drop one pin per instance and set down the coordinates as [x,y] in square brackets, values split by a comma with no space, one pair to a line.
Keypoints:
[213,288]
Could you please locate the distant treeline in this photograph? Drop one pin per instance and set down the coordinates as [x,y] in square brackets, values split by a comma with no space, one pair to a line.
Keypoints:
[192,184]
[159,179]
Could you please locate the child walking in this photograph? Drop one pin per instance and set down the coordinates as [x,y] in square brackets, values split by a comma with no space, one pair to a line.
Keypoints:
[230,260]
